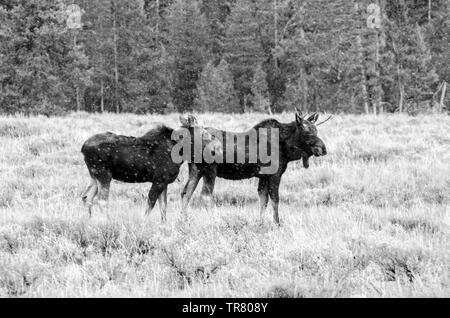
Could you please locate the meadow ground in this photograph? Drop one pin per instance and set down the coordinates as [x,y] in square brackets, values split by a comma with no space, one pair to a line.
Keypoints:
[371,219]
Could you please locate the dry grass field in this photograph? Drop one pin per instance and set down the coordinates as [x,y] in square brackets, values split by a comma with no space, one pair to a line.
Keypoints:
[371,219]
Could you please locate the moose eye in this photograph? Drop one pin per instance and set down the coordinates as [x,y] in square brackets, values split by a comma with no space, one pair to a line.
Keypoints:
[311,129]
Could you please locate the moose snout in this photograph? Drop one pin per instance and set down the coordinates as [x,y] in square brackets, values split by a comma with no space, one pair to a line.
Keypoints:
[319,151]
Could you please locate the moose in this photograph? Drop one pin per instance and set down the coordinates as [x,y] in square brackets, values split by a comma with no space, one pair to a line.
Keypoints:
[137,160]
[297,140]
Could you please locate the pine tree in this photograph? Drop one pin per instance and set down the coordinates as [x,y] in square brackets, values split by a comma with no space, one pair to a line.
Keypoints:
[316,53]
[96,36]
[187,39]
[134,47]
[271,16]
[243,49]
[416,78]
[146,86]
[215,89]
[40,63]
[148,55]
[422,79]
[260,92]
[216,13]
[79,73]
[439,37]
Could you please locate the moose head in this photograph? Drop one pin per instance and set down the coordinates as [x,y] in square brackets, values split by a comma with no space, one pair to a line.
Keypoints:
[305,137]
[209,142]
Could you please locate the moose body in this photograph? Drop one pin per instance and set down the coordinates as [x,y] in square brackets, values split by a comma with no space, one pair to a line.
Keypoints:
[297,140]
[127,159]
[136,160]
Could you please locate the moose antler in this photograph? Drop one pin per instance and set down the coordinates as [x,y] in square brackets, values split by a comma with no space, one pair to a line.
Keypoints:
[306,116]
[299,112]
[325,120]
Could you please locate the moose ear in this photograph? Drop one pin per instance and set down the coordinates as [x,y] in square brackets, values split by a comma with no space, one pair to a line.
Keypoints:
[184,121]
[313,118]
[189,121]
[298,116]
[192,120]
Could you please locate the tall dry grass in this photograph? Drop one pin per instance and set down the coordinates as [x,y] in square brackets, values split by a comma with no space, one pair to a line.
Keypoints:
[371,219]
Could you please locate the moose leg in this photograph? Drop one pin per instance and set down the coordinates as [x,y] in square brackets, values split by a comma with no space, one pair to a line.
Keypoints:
[104,184]
[85,194]
[208,189]
[153,195]
[263,192]
[191,185]
[162,200]
[274,185]
[89,195]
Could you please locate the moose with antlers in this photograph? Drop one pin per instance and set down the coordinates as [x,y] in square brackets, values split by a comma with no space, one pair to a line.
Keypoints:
[296,140]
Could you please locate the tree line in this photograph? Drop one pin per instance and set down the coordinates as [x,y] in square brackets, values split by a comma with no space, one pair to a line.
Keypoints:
[158,56]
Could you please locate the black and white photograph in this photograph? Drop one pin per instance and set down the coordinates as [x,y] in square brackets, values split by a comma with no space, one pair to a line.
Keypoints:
[242,150]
